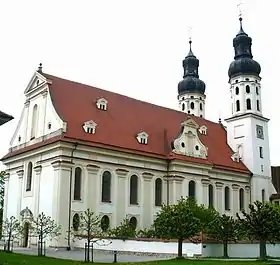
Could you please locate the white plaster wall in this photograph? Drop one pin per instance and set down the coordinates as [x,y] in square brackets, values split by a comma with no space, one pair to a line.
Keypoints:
[189,249]
[260,167]
[46,114]
[54,184]
[12,198]
[240,250]
[243,95]
[46,190]
[197,99]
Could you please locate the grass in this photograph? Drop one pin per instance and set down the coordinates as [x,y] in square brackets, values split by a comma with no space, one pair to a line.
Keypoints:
[20,259]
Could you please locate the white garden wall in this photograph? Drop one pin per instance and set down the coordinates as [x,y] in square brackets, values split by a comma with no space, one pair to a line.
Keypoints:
[240,250]
[189,249]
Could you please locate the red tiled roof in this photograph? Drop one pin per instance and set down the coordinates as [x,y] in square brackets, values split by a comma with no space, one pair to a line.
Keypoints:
[125,117]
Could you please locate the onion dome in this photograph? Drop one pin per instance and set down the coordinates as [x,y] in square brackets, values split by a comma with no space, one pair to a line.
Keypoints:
[191,82]
[243,60]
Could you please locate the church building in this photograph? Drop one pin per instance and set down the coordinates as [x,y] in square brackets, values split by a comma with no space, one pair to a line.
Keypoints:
[78,147]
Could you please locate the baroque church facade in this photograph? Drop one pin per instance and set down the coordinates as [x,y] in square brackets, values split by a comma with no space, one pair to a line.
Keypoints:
[122,157]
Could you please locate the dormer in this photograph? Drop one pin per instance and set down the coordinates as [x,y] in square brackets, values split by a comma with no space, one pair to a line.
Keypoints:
[203,130]
[102,104]
[90,126]
[142,137]
[188,142]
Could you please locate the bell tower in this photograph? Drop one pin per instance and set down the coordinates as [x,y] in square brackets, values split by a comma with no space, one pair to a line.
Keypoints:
[191,89]
[247,128]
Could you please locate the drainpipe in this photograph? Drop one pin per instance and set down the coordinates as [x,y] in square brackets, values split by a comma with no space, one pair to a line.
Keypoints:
[167,179]
[70,200]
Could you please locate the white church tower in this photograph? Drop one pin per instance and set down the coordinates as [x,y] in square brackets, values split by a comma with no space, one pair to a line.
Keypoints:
[247,128]
[191,89]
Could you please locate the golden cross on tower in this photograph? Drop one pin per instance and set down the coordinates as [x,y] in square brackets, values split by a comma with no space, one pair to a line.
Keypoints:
[190,33]
[240,9]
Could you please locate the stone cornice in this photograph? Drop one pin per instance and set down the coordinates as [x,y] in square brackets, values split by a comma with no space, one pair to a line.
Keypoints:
[20,173]
[219,185]
[121,172]
[147,176]
[93,169]
[38,169]
[62,164]
[205,182]
[176,178]
[235,186]
[6,177]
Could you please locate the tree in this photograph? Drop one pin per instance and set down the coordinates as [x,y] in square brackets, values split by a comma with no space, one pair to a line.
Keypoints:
[2,186]
[224,228]
[44,227]
[87,226]
[262,224]
[124,231]
[11,230]
[178,221]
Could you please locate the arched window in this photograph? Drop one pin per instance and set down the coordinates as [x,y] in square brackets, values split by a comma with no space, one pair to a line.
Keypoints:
[105,223]
[237,105]
[158,192]
[77,183]
[248,103]
[106,187]
[211,196]
[76,222]
[133,189]
[34,122]
[258,105]
[263,195]
[241,199]
[133,222]
[227,199]
[200,106]
[247,89]
[192,105]
[237,90]
[183,106]
[192,189]
[29,176]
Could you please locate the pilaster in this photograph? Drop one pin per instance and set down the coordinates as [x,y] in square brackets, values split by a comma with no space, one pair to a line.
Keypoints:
[62,175]
[247,199]
[235,199]
[205,191]
[147,195]
[175,188]
[121,194]
[27,107]
[37,182]
[219,200]
[6,192]
[92,187]
[20,174]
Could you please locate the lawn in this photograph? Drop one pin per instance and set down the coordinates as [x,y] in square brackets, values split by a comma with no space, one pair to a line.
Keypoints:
[19,259]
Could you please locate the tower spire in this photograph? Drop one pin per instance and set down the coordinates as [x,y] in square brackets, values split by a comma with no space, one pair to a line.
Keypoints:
[191,90]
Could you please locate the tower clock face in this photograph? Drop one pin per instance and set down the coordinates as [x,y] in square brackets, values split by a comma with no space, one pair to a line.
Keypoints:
[259,132]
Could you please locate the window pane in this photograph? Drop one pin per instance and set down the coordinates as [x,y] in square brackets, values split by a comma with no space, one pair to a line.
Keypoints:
[106,187]
[158,192]
[134,189]
[77,183]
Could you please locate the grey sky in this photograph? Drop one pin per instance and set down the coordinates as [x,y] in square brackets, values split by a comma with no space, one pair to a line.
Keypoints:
[136,48]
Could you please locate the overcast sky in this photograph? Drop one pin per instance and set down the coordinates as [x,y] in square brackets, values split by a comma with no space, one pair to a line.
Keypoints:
[136,48]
